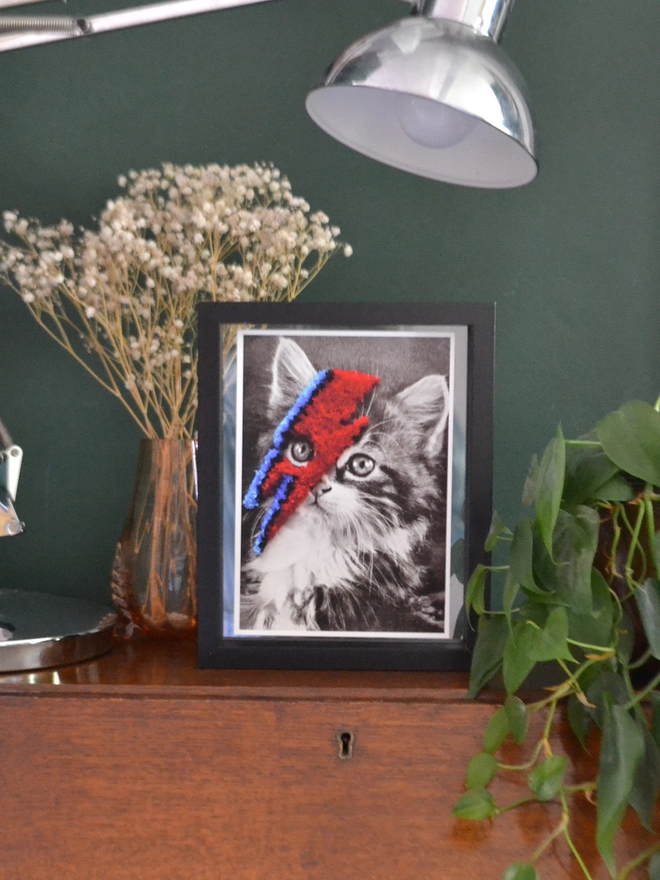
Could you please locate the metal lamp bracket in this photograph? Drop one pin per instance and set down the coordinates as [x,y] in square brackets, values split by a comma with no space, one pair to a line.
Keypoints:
[18,32]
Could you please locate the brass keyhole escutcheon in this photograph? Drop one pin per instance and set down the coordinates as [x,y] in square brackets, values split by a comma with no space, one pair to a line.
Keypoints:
[346,741]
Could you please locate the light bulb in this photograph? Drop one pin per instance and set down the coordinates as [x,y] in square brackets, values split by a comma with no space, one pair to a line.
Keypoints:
[431,124]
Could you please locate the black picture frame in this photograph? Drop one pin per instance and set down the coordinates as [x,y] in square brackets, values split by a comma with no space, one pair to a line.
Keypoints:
[222,643]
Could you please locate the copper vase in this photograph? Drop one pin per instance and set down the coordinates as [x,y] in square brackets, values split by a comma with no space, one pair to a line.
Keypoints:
[155,566]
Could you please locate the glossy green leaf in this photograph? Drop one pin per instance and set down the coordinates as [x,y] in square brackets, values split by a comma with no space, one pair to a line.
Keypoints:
[579,718]
[646,787]
[587,470]
[647,597]
[550,643]
[546,779]
[518,717]
[545,570]
[509,595]
[497,530]
[535,611]
[654,867]
[517,661]
[606,687]
[531,487]
[655,716]
[520,557]
[481,770]
[631,438]
[497,730]
[626,635]
[575,542]
[596,627]
[521,871]
[621,753]
[615,489]
[488,652]
[475,804]
[550,488]
[476,589]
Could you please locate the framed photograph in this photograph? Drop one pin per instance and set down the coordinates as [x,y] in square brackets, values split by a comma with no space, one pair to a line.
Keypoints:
[345,473]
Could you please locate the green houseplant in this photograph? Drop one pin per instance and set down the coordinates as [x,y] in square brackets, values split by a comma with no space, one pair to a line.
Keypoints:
[581,592]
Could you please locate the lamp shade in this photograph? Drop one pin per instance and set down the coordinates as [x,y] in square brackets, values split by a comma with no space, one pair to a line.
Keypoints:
[434,97]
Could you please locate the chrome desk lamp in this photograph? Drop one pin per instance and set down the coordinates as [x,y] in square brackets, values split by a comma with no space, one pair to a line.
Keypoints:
[39,630]
[11,457]
[432,94]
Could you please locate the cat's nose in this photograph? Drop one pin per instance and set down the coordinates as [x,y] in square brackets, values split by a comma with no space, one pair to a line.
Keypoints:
[321,488]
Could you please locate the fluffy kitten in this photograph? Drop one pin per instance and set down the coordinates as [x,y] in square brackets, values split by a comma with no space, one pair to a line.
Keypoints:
[364,550]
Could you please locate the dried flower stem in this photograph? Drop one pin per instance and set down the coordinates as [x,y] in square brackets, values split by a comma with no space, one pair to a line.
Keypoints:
[122,300]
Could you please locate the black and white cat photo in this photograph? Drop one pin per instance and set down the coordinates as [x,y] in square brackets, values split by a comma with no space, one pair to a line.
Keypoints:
[364,552]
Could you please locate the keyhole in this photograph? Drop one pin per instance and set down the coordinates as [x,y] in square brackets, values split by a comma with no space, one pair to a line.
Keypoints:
[346,740]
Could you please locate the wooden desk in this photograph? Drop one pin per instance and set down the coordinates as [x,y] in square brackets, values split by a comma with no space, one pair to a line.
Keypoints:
[138,765]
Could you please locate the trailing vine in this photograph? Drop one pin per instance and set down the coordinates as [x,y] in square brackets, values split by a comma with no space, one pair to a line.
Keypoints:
[581,591]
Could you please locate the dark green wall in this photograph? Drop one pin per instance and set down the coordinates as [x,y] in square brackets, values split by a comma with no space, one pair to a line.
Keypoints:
[572,260]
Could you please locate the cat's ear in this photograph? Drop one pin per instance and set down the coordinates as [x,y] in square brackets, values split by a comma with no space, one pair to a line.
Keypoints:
[425,406]
[292,372]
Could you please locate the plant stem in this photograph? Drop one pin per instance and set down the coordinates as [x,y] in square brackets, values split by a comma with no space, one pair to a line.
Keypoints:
[569,840]
[643,694]
[639,860]
[608,651]
[516,804]
[560,829]
[528,765]
[582,786]
[642,660]
[635,546]
[650,525]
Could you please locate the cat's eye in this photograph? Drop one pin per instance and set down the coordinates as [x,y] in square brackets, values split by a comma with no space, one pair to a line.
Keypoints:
[360,465]
[300,452]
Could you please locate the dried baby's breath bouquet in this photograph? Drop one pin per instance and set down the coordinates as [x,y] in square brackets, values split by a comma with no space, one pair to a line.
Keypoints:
[127,293]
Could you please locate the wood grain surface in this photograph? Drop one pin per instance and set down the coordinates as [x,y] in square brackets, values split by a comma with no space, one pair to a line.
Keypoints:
[140,766]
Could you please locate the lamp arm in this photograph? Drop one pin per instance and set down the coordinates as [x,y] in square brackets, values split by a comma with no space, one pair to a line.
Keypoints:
[19,33]
[11,457]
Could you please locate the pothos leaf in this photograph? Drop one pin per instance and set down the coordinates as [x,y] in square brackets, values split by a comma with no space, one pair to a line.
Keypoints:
[517,716]
[654,867]
[529,644]
[550,487]
[605,688]
[615,489]
[579,718]
[546,779]
[511,590]
[497,530]
[647,597]
[488,652]
[530,489]
[520,558]
[647,781]
[655,709]
[521,871]
[517,661]
[595,628]
[621,754]
[588,469]
[476,589]
[574,547]
[481,770]
[631,438]
[626,639]
[475,804]
[550,643]
[497,730]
